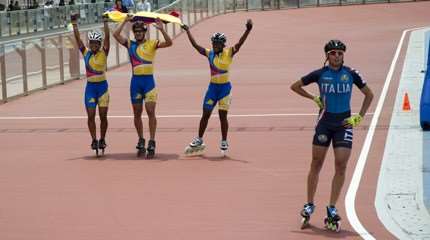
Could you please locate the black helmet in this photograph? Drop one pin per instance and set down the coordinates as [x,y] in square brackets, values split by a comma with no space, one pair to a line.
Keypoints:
[139,25]
[218,37]
[334,45]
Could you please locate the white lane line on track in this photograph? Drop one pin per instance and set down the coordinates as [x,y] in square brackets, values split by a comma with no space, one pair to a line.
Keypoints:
[163,116]
[358,172]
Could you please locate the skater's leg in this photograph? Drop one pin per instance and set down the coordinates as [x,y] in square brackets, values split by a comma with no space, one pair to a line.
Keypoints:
[91,122]
[204,121]
[341,156]
[103,111]
[318,157]
[137,111]
[103,103]
[196,146]
[224,123]
[223,107]
[152,120]
[103,127]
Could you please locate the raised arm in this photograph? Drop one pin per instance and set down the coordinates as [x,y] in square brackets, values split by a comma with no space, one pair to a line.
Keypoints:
[106,43]
[167,40]
[244,36]
[199,49]
[117,33]
[74,20]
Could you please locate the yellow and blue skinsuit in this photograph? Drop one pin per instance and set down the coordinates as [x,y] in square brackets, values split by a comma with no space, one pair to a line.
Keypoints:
[219,86]
[96,90]
[142,87]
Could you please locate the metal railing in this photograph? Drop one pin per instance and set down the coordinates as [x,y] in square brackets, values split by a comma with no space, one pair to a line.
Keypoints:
[21,22]
[33,63]
[44,19]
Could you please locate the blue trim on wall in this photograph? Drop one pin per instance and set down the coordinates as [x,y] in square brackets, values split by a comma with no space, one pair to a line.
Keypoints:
[425,94]
[425,115]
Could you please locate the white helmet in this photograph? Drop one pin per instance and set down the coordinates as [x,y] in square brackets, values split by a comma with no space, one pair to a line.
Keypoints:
[219,37]
[95,35]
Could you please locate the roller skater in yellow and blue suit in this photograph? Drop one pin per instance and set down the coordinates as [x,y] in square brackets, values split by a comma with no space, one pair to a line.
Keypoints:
[142,87]
[96,90]
[219,91]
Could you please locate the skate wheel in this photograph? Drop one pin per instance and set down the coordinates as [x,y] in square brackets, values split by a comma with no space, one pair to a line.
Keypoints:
[150,155]
[189,151]
[224,153]
[305,222]
[194,153]
[337,226]
[140,153]
[326,223]
[331,225]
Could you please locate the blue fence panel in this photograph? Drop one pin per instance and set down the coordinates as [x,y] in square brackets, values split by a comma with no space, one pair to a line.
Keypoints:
[425,95]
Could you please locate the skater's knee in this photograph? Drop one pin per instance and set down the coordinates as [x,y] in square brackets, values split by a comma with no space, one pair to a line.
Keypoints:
[223,115]
[91,118]
[206,113]
[137,119]
[151,113]
[316,164]
[137,109]
[205,117]
[103,118]
[137,116]
[340,168]
[223,120]
[314,171]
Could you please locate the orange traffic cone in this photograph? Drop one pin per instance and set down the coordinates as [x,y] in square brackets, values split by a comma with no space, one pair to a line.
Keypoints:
[406,103]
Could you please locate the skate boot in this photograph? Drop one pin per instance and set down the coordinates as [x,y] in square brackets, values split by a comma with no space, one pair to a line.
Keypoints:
[196,147]
[306,213]
[224,147]
[332,221]
[102,146]
[95,146]
[151,149]
[141,147]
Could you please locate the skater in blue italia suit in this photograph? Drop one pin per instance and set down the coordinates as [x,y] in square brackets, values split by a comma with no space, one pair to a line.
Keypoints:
[335,124]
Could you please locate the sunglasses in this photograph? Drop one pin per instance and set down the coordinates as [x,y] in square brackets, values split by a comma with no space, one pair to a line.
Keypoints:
[333,53]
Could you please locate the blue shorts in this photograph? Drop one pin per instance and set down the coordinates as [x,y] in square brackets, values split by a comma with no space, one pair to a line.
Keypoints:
[330,129]
[218,93]
[96,93]
[142,88]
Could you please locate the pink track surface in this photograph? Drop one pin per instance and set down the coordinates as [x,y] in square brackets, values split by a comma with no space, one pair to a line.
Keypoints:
[52,186]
